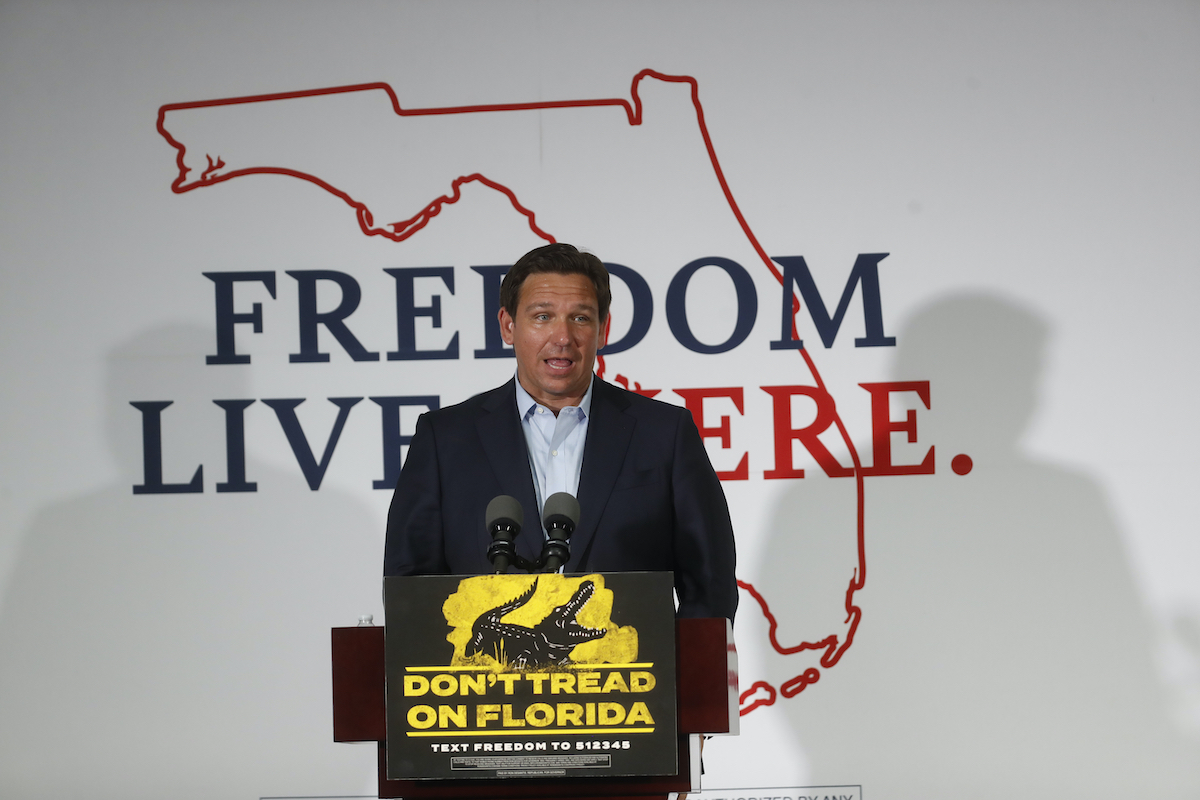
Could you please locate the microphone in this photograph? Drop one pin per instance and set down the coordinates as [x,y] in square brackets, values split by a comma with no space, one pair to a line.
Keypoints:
[504,516]
[560,515]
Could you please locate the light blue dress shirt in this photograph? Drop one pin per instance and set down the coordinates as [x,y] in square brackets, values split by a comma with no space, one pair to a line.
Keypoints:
[555,444]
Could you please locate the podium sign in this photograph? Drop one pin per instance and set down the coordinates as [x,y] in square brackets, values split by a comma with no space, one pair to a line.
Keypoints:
[530,676]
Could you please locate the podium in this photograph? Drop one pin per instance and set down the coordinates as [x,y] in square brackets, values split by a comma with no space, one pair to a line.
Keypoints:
[706,702]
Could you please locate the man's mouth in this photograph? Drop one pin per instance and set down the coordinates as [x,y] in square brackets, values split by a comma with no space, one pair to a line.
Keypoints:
[559,363]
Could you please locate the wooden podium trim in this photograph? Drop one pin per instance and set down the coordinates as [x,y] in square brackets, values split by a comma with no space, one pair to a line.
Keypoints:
[359,693]
[707,679]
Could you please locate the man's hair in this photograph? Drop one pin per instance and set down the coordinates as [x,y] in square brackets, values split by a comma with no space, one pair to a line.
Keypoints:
[559,258]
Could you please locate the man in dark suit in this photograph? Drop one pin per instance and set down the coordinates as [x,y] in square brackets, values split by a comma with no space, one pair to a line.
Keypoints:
[648,496]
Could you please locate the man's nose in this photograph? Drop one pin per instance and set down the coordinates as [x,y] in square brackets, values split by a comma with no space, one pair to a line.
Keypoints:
[560,334]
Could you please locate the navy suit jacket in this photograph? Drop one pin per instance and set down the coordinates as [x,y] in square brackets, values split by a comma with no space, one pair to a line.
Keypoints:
[648,496]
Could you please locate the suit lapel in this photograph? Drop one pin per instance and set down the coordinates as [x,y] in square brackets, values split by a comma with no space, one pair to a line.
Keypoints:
[503,443]
[610,430]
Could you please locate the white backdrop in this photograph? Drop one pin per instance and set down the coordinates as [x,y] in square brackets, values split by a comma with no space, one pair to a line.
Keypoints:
[1030,627]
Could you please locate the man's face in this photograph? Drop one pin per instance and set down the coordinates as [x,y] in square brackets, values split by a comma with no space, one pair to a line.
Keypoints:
[556,333]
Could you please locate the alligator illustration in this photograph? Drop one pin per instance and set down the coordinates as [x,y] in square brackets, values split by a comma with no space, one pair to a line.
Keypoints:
[548,643]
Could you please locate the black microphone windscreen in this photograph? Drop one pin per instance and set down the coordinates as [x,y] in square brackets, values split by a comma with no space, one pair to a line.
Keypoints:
[504,509]
[560,507]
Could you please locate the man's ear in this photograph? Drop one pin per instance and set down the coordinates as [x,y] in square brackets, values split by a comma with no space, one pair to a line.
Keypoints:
[506,326]
[605,331]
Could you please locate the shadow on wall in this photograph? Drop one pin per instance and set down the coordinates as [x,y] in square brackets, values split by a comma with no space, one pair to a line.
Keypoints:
[177,645]
[1003,650]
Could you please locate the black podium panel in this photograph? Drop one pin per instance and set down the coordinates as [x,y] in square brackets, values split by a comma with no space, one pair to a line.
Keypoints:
[530,676]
